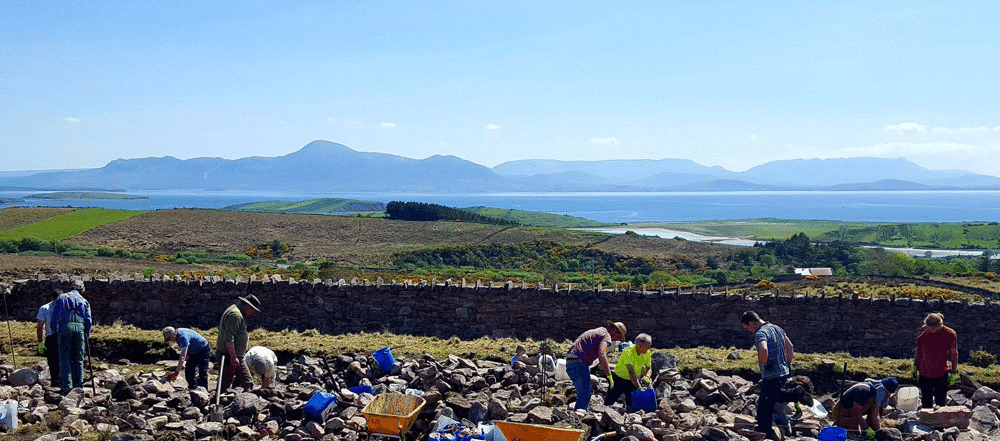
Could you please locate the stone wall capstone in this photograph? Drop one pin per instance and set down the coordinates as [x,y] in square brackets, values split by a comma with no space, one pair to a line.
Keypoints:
[860,326]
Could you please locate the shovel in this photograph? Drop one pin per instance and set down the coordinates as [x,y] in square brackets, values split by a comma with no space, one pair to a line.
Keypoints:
[217,415]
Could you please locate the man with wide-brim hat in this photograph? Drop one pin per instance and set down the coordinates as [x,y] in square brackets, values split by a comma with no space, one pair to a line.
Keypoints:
[232,343]
[588,349]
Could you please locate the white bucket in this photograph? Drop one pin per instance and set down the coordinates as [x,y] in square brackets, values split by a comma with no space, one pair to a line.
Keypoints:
[908,398]
[561,370]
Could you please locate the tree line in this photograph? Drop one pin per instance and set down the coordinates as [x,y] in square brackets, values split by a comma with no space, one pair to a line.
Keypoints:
[422,211]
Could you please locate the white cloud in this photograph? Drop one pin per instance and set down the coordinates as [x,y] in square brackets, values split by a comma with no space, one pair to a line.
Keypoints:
[387,125]
[71,120]
[907,127]
[752,136]
[789,145]
[948,130]
[492,127]
[609,140]
[279,122]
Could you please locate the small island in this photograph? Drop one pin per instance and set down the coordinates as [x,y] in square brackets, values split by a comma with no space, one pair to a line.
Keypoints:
[83,196]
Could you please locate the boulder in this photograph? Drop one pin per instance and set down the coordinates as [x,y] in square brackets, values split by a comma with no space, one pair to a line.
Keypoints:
[947,416]
[23,377]
[984,420]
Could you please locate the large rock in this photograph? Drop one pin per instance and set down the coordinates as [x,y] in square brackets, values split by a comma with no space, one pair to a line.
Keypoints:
[23,377]
[984,420]
[947,416]
[246,404]
[984,394]
[497,410]
[540,415]
[208,429]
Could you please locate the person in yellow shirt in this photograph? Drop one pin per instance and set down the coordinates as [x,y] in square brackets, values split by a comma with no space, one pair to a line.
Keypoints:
[631,371]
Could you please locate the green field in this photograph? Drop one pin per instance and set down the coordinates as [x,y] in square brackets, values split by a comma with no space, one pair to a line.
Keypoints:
[65,226]
[536,218]
[312,206]
[925,235]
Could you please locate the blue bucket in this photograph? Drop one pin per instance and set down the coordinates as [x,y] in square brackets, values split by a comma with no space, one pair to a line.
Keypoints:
[361,389]
[385,359]
[644,399]
[832,433]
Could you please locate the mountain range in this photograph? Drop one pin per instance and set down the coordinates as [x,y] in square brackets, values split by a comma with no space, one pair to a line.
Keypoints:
[323,166]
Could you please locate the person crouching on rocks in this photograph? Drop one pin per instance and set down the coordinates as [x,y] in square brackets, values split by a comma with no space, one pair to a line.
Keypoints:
[861,405]
[632,371]
[262,361]
[591,348]
[195,352]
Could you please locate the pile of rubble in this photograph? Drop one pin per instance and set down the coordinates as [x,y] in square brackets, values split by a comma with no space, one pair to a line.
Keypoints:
[704,406]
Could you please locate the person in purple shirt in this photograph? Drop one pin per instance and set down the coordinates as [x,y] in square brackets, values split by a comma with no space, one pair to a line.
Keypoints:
[71,314]
[591,348]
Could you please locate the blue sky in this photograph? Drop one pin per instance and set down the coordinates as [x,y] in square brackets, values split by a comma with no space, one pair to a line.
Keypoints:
[734,84]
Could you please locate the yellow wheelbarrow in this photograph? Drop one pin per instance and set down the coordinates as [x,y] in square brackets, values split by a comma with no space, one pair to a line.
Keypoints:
[537,432]
[392,414]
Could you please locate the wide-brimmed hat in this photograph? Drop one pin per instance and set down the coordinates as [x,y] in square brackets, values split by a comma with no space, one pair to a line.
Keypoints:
[251,300]
[620,327]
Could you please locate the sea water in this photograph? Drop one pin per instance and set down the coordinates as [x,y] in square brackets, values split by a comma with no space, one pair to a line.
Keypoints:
[628,207]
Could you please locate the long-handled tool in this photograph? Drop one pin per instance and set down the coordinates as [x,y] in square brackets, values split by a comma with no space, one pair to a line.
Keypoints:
[10,335]
[90,365]
[217,413]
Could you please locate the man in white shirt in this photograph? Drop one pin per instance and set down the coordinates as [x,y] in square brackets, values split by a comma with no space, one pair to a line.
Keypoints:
[48,342]
[262,361]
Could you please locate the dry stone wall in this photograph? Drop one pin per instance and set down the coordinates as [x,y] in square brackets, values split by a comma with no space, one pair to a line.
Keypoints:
[860,326]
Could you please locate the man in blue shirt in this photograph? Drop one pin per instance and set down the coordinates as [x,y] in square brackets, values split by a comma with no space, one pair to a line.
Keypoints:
[195,352]
[774,355]
[72,317]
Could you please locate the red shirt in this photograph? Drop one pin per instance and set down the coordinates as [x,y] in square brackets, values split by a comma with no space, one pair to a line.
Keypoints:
[934,349]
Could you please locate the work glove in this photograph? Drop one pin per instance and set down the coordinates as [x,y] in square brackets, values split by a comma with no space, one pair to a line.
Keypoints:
[611,381]
[645,381]
[172,376]
[41,348]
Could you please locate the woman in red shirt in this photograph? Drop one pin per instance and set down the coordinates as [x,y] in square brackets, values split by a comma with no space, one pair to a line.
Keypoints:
[937,346]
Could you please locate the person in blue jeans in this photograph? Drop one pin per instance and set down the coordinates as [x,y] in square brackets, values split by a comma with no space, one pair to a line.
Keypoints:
[72,317]
[195,352]
[589,348]
[774,355]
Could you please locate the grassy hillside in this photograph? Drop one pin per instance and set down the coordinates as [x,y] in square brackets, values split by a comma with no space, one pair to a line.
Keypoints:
[66,225]
[13,217]
[312,206]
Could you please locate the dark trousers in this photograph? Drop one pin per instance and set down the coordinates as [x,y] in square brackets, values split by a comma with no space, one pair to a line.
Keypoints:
[623,386]
[772,391]
[72,346]
[239,377]
[196,369]
[52,357]
[933,391]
